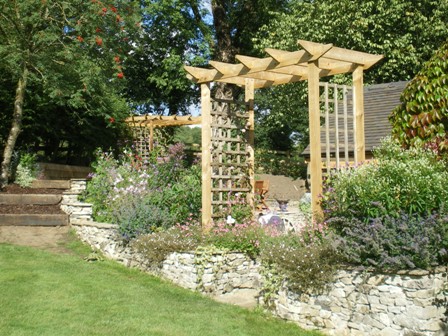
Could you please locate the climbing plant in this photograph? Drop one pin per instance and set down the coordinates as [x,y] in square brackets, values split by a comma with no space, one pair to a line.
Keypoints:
[422,117]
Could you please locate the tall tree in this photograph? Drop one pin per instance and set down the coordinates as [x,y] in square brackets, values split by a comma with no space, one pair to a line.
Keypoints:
[71,50]
[406,32]
[178,32]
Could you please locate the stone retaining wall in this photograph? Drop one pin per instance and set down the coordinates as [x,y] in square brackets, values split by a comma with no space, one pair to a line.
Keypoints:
[227,277]
[72,206]
[357,303]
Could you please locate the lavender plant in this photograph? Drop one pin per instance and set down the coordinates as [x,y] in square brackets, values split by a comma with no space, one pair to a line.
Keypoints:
[403,242]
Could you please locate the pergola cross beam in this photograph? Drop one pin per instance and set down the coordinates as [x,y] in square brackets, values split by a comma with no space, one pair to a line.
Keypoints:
[313,62]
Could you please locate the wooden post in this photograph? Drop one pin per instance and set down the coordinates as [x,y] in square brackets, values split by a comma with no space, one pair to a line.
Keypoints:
[249,100]
[314,122]
[206,107]
[358,124]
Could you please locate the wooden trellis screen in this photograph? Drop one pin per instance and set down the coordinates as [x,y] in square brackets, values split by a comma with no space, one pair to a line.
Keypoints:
[338,141]
[142,143]
[230,154]
[143,129]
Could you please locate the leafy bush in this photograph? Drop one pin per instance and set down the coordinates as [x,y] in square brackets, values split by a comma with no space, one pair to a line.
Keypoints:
[143,196]
[411,181]
[155,247]
[27,169]
[280,163]
[403,242]
[306,260]
[245,237]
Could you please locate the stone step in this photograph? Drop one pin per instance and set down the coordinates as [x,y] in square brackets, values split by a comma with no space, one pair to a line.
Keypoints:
[33,220]
[51,184]
[40,199]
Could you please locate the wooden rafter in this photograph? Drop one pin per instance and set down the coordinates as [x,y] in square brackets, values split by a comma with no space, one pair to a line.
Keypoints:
[284,66]
[160,121]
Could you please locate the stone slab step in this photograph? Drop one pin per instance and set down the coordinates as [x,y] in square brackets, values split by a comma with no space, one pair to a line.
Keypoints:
[51,184]
[41,199]
[33,220]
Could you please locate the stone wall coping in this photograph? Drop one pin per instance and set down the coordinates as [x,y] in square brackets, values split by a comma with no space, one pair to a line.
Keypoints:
[81,222]
[412,272]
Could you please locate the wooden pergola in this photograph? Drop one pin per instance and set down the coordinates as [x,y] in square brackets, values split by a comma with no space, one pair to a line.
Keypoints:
[152,121]
[311,63]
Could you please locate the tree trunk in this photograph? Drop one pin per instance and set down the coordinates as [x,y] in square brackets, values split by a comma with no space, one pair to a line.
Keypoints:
[224,49]
[16,127]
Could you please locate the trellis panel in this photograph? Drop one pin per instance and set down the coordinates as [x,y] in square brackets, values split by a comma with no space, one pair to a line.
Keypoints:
[229,155]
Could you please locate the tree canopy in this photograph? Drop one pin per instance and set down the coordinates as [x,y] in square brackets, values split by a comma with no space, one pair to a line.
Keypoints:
[406,32]
[63,56]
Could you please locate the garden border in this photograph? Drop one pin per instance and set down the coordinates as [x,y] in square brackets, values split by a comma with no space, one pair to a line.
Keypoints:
[357,302]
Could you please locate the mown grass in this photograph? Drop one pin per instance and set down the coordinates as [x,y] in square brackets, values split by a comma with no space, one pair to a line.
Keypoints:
[43,293]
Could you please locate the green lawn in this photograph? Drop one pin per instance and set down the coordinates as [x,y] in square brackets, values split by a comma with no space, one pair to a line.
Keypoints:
[42,293]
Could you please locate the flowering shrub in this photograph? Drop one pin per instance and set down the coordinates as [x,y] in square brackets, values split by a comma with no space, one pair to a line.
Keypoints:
[155,247]
[411,181]
[403,242]
[245,237]
[143,196]
[307,259]
[390,213]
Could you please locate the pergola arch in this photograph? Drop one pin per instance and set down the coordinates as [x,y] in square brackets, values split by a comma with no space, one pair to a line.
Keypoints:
[313,62]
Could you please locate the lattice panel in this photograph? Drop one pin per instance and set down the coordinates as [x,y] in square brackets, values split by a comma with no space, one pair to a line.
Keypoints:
[142,142]
[337,137]
[230,165]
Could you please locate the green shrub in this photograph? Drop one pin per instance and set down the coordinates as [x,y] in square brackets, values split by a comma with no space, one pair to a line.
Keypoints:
[155,247]
[306,260]
[27,169]
[280,163]
[411,181]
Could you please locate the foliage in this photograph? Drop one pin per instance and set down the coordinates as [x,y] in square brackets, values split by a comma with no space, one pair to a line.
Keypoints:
[397,29]
[155,247]
[144,196]
[406,32]
[64,56]
[278,163]
[282,118]
[307,260]
[245,237]
[411,181]
[422,116]
[175,33]
[27,169]
[403,242]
